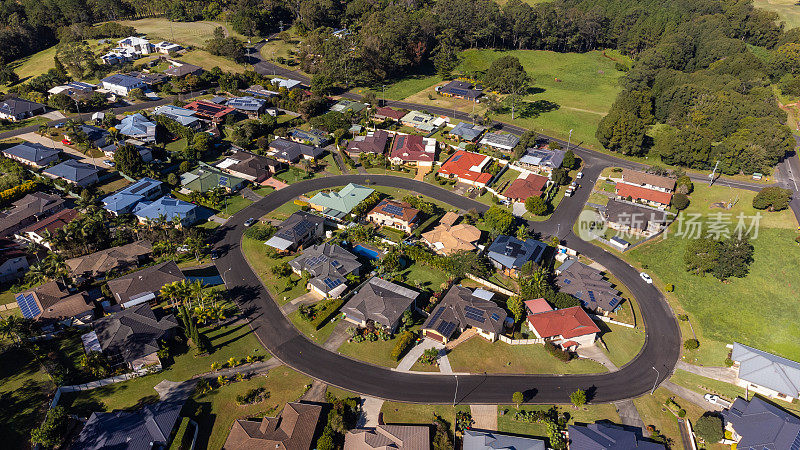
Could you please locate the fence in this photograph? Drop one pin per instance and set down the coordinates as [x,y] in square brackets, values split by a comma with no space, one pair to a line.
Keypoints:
[610,320]
[103,382]
[491,285]
[508,340]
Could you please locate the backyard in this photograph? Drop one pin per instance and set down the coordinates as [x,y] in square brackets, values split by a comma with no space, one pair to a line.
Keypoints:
[24,389]
[479,355]
[184,33]
[733,310]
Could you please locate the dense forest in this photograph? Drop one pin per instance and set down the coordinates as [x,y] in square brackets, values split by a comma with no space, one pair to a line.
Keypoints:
[696,75]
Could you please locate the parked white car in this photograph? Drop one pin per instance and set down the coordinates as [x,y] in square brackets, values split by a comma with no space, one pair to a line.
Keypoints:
[579,175]
[646,278]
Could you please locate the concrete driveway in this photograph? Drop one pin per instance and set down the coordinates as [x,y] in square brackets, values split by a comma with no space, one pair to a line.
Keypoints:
[47,142]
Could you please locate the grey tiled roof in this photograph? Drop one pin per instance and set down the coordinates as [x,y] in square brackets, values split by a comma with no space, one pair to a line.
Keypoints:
[72,170]
[455,309]
[328,264]
[145,429]
[511,252]
[605,436]
[381,301]
[490,440]
[768,370]
[763,426]
[31,152]
[132,333]
[587,285]
[147,280]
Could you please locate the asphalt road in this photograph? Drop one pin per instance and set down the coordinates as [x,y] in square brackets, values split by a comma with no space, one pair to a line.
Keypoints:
[654,363]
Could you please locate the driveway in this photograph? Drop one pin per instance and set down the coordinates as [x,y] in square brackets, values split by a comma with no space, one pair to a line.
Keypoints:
[691,396]
[47,142]
[724,374]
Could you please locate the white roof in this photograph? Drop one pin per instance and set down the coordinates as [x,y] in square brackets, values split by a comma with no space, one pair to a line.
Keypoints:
[227,162]
[279,243]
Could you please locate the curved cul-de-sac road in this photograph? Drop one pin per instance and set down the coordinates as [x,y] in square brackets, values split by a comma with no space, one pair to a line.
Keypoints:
[654,363]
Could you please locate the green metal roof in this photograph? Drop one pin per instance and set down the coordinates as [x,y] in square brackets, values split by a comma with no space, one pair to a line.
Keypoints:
[343,201]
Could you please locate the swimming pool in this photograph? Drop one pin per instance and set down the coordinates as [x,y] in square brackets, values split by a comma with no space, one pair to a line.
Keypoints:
[366,252]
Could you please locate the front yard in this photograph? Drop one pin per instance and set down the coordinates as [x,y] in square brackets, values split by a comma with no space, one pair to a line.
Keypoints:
[586,414]
[258,255]
[24,389]
[479,355]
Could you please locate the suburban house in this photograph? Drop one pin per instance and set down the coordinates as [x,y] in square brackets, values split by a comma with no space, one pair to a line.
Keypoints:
[337,205]
[138,127]
[121,84]
[460,89]
[385,113]
[632,218]
[151,426]
[74,172]
[298,230]
[210,112]
[249,166]
[293,429]
[767,374]
[345,105]
[604,435]
[290,152]
[500,140]
[508,254]
[144,152]
[207,178]
[381,302]
[492,440]
[167,208]
[99,137]
[287,83]
[150,79]
[27,210]
[569,327]
[647,180]
[462,308]
[759,425]
[53,301]
[317,138]
[76,90]
[448,238]
[522,188]
[420,121]
[124,200]
[467,167]
[588,285]
[394,214]
[143,285]
[14,109]
[252,107]
[118,259]
[140,46]
[465,131]
[399,437]
[130,337]
[32,154]
[329,265]
[37,232]
[259,91]
[13,260]
[373,143]
[166,47]
[658,198]
[413,150]
[183,116]
[179,69]
[118,56]
[542,159]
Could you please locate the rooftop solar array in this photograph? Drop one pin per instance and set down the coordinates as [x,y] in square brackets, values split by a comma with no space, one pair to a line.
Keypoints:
[437,314]
[28,306]
[495,316]
[446,328]
[392,209]
[223,181]
[316,260]
[473,313]
[332,283]
[456,158]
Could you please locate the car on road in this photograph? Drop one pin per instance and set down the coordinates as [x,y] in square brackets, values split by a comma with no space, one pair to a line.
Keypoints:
[214,254]
[579,175]
[249,222]
[646,278]
[109,163]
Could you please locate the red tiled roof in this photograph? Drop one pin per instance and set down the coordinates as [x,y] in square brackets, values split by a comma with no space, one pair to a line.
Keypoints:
[468,166]
[410,147]
[522,188]
[538,305]
[567,323]
[52,223]
[390,113]
[637,192]
[208,109]
[398,210]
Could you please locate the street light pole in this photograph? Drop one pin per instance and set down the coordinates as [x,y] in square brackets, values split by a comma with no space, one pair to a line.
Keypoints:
[455,394]
[658,375]
[569,141]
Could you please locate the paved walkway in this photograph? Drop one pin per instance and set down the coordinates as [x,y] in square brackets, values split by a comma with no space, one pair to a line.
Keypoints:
[247,369]
[370,412]
[413,355]
[305,299]
[691,396]
[316,393]
[484,417]
[629,415]
[595,353]
[468,334]
[338,337]
[724,374]
[175,389]
[217,219]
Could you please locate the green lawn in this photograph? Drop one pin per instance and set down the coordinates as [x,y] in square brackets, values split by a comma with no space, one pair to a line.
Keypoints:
[402,88]
[256,253]
[623,343]
[294,174]
[423,277]
[787,10]
[734,310]
[378,352]
[177,145]
[393,234]
[113,185]
[183,33]
[208,61]
[283,384]
[507,178]
[587,414]
[24,389]
[330,164]
[263,191]
[479,355]
[308,329]
[235,203]
[409,413]
[653,412]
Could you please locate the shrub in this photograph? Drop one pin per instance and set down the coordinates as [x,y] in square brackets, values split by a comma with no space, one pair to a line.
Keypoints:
[772,198]
[51,432]
[518,398]
[683,317]
[728,362]
[463,420]
[691,344]
[404,342]
[680,201]
[429,356]
[709,428]
[682,413]
[578,398]
[557,352]
[670,287]
[255,395]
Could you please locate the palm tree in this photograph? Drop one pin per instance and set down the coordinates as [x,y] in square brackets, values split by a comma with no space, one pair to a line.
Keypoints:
[196,287]
[172,292]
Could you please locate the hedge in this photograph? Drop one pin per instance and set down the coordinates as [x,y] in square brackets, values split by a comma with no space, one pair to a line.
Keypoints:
[326,311]
[404,342]
[11,194]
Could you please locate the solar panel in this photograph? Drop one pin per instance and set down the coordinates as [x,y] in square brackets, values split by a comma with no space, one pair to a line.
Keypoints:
[28,306]
[436,315]
[472,310]
[613,302]
[567,281]
[332,283]
[393,210]
[495,316]
[446,328]
[336,263]
[591,296]
[456,158]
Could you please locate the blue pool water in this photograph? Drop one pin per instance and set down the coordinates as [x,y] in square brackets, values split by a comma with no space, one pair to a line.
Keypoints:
[366,252]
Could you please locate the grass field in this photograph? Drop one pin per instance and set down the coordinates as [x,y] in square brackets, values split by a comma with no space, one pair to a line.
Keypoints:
[184,33]
[734,310]
[305,327]
[208,61]
[479,355]
[235,203]
[256,254]
[378,352]
[408,413]
[24,388]
[587,414]
[653,412]
[787,10]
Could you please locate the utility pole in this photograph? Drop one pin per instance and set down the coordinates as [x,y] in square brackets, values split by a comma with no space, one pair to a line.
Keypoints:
[569,141]
[713,172]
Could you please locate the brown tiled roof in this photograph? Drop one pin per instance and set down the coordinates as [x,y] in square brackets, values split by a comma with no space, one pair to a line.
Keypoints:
[150,279]
[448,238]
[642,193]
[643,178]
[101,262]
[407,437]
[406,213]
[390,113]
[56,302]
[522,188]
[373,143]
[293,429]
[26,209]
[52,223]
